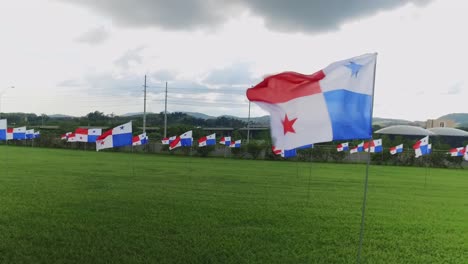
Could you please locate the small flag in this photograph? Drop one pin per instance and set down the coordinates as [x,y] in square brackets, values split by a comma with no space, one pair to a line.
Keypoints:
[225,141]
[396,149]
[29,134]
[81,135]
[209,140]
[93,134]
[342,147]
[19,133]
[235,144]
[358,148]
[167,141]
[37,134]
[375,146]
[466,153]
[141,139]
[421,147]
[71,137]
[184,140]
[117,137]
[457,152]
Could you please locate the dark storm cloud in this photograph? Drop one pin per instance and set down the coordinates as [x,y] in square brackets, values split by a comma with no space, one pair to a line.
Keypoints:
[279,15]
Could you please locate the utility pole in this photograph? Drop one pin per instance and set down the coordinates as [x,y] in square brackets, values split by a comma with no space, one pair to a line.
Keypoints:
[144,108]
[165,114]
[248,126]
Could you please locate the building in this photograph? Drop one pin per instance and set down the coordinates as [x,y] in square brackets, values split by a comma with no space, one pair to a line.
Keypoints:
[432,123]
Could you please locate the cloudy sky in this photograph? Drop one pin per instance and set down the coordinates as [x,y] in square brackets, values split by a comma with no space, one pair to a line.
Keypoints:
[77,56]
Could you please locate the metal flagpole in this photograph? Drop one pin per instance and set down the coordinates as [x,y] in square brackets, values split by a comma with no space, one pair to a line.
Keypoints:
[144,107]
[165,113]
[366,180]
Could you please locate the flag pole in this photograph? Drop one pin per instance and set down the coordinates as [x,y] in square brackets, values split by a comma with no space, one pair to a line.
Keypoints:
[366,180]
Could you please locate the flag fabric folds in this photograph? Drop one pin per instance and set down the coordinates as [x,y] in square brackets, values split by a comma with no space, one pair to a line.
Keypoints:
[457,152]
[396,149]
[209,140]
[421,147]
[332,104]
[225,141]
[117,137]
[342,147]
[29,134]
[139,140]
[235,144]
[3,129]
[19,133]
[184,140]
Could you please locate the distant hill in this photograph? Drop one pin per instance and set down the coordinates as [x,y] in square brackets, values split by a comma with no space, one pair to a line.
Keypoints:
[460,118]
[199,115]
[60,116]
[384,122]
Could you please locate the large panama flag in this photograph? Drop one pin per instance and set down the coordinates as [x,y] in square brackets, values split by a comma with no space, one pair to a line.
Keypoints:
[117,137]
[332,104]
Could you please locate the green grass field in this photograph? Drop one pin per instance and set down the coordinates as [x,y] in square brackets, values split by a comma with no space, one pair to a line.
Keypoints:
[62,206]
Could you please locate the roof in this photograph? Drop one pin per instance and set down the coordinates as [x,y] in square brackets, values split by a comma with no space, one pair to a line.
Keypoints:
[405,130]
[448,131]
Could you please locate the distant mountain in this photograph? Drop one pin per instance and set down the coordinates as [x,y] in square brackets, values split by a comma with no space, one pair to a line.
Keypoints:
[199,115]
[60,116]
[460,118]
[384,122]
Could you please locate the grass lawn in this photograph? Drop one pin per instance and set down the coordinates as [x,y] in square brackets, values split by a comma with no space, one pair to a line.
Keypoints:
[64,206]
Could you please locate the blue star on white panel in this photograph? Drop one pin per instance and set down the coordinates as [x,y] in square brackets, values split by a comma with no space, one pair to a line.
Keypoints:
[354,67]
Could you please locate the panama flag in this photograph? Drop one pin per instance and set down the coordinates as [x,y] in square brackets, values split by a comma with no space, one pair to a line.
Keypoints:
[93,134]
[342,147]
[375,146]
[71,137]
[209,140]
[19,133]
[235,144]
[225,141]
[9,133]
[81,135]
[66,135]
[184,140]
[141,139]
[421,147]
[3,129]
[396,149]
[29,134]
[117,137]
[332,104]
[466,153]
[37,134]
[358,148]
[457,152]
[167,141]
